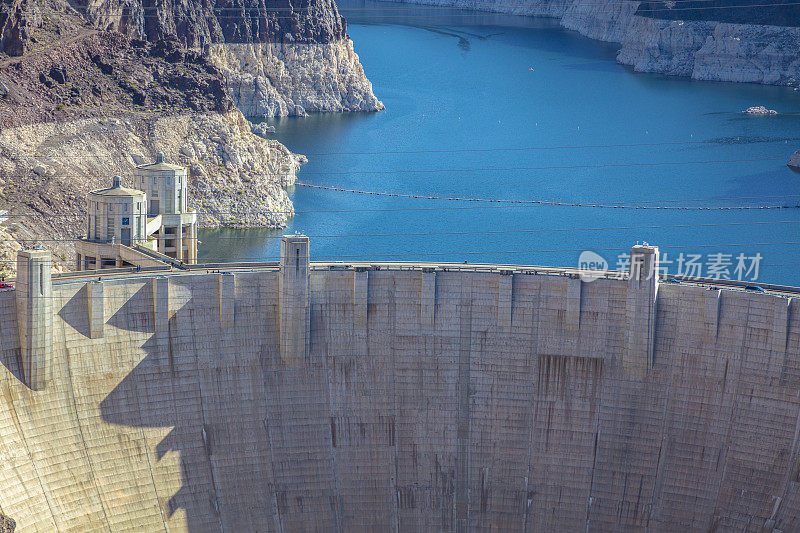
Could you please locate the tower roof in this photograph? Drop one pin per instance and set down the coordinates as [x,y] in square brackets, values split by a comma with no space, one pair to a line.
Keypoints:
[117,190]
[160,164]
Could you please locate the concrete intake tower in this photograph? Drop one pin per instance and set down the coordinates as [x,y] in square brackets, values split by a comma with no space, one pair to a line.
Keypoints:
[372,396]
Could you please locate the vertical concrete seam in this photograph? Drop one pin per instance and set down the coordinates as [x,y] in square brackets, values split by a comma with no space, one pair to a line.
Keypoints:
[505,297]
[276,515]
[463,416]
[780,331]
[734,401]
[84,449]
[95,303]
[392,316]
[204,435]
[711,311]
[34,464]
[573,308]
[427,297]
[793,461]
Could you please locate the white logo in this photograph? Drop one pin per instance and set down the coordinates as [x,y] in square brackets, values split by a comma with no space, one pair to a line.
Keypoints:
[592,266]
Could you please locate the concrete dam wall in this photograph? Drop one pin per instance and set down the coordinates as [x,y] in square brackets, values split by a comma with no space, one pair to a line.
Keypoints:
[301,397]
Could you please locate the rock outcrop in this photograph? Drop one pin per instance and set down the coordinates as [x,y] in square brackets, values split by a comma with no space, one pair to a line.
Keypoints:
[759,111]
[604,21]
[105,73]
[262,129]
[278,59]
[794,161]
[280,79]
[281,59]
[197,24]
[668,47]
[16,16]
[7,525]
[714,51]
[757,44]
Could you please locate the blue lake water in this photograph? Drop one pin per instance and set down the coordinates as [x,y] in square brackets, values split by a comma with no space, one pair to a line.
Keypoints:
[516,108]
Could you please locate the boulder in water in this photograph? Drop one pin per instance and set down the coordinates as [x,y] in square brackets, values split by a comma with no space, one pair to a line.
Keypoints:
[759,110]
[262,129]
[794,161]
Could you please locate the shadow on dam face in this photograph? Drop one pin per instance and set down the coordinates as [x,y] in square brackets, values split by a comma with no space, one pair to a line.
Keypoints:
[192,382]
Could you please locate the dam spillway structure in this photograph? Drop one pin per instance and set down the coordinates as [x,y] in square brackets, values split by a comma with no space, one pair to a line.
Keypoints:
[375,396]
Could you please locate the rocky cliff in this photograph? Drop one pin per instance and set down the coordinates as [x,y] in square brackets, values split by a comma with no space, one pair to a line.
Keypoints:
[715,51]
[199,23]
[280,79]
[278,58]
[704,40]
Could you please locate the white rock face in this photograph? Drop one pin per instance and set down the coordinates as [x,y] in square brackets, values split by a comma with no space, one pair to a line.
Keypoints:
[759,110]
[275,79]
[713,51]
[666,46]
[541,8]
[236,178]
[703,50]
[750,53]
[598,20]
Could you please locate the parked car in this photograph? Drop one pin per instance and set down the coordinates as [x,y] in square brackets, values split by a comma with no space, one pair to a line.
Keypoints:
[754,288]
[4,285]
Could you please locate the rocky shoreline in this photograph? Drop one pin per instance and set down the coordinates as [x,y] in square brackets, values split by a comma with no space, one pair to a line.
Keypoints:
[700,49]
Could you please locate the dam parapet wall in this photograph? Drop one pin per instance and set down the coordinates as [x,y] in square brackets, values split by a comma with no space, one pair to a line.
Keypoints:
[404,397]
[34,299]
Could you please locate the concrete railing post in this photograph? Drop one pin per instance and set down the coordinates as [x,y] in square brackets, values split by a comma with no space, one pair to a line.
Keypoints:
[505,291]
[427,297]
[34,294]
[637,355]
[360,309]
[95,305]
[295,308]
[161,317]
[226,283]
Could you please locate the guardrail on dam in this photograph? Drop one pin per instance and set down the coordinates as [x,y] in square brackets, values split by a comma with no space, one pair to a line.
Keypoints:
[300,397]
